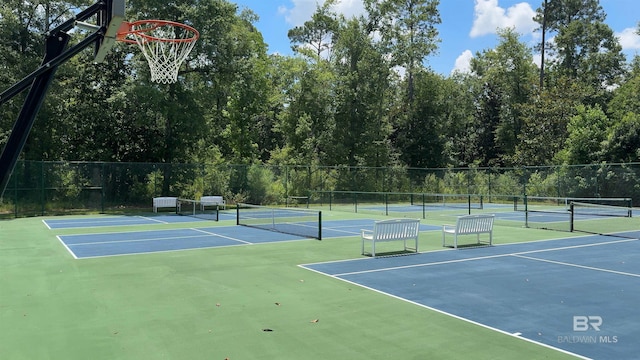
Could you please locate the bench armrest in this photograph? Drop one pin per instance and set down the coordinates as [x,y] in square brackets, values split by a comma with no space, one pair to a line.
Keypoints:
[366,233]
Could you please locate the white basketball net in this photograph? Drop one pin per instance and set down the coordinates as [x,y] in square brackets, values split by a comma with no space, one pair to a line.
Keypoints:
[165,47]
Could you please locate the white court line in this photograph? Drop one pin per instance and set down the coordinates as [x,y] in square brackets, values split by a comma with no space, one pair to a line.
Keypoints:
[152,219]
[342,231]
[578,266]
[101,222]
[222,236]
[153,252]
[520,253]
[45,224]
[514,335]
[420,265]
[66,247]
[138,240]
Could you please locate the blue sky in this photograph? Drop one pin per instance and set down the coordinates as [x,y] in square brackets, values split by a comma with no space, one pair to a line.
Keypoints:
[468,26]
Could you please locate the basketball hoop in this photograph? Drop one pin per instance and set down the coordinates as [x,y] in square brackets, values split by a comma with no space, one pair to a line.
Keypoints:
[165,44]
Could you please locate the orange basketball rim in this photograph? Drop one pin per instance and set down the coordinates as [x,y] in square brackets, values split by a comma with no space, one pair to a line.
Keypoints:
[165,44]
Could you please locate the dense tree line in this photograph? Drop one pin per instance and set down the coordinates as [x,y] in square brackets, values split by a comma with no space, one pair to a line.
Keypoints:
[356,92]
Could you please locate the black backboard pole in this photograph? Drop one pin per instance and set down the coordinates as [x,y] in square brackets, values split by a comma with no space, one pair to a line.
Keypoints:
[40,80]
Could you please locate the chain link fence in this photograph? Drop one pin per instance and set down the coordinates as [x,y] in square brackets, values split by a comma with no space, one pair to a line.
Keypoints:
[46,188]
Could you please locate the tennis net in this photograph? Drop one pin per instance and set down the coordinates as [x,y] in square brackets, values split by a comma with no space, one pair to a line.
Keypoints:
[197,209]
[601,219]
[459,201]
[555,213]
[549,203]
[293,221]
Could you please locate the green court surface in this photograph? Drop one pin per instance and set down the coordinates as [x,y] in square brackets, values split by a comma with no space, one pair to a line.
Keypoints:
[241,302]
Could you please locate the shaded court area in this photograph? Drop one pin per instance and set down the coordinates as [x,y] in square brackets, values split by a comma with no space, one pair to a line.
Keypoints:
[577,295]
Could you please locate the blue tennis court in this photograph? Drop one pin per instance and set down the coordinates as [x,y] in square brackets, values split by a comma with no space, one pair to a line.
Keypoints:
[125,220]
[74,223]
[150,241]
[578,295]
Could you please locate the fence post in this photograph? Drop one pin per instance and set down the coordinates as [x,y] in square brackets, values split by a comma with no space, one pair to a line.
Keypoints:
[102,185]
[43,196]
[15,193]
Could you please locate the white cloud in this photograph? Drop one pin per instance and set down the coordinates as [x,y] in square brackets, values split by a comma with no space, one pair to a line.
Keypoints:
[463,62]
[537,59]
[350,8]
[629,39]
[303,9]
[489,17]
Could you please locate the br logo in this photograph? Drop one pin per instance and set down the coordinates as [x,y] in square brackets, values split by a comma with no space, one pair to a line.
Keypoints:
[584,323]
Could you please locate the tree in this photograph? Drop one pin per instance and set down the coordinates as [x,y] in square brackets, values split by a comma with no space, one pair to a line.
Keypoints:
[419,137]
[408,32]
[545,123]
[585,48]
[362,97]
[315,37]
[623,141]
[307,122]
[587,131]
[458,94]
[508,76]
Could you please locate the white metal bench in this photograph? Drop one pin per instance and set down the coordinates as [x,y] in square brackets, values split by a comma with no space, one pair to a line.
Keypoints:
[392,230]
[212,200]
[469,225]
[164,202]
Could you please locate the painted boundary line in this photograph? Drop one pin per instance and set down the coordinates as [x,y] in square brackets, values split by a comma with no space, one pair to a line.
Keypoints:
[513,335]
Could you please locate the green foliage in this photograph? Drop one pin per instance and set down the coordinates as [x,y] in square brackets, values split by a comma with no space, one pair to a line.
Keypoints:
[431,184]
[545,122]
[508,75]
[587,131]
[506,183]
[584,47]
[263,187]
[542,184]
[623,141]
[70,184]
[339,116]
[152,185]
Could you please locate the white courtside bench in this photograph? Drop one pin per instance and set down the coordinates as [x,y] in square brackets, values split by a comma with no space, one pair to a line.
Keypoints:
[164,202]
[392,230]
[469,225]
[212,201]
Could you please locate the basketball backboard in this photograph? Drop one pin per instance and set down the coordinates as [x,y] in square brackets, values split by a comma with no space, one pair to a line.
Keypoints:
[110,19]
